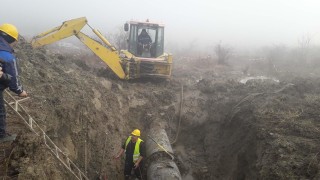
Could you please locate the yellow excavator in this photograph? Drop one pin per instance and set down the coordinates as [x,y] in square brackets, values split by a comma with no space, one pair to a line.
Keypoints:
[140,60]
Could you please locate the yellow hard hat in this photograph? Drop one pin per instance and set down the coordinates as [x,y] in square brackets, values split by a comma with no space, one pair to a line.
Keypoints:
[11,30]
[136,132]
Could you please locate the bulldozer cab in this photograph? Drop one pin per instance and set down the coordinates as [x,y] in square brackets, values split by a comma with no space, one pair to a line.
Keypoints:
[145,39]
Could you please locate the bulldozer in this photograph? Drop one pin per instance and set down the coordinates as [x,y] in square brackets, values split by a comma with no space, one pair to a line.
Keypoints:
[141,59]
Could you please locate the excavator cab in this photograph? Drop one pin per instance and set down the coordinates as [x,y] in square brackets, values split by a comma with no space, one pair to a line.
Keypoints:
[145,39]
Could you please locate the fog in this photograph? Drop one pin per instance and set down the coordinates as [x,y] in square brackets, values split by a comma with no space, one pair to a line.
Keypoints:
[245,23]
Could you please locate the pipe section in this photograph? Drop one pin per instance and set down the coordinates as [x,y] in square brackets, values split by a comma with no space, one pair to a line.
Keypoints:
[160,165]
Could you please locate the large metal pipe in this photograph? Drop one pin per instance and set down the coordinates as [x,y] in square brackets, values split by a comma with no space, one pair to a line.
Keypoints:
[160,165]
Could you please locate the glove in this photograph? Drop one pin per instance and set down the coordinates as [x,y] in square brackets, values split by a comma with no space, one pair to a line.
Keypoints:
[5,79]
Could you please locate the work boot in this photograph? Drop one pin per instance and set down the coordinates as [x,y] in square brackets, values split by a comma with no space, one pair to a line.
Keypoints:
[8,137]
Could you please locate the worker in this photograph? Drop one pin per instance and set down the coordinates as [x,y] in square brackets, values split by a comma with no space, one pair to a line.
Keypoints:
[8,38]
[144,41]
[135,152]
[144,37]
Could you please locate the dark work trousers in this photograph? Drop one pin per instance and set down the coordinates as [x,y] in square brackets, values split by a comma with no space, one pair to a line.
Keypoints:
[128,166]
[2,116]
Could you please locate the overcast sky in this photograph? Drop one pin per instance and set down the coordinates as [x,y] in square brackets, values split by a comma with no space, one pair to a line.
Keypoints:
[234,22]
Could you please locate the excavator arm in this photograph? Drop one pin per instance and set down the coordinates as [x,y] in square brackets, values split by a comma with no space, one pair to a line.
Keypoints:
[111,58]
[108,54]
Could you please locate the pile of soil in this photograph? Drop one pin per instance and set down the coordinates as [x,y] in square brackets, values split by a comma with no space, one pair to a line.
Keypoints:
[227,129]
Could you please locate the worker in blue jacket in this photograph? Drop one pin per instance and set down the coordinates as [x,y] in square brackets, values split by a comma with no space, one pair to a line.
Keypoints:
[9,74]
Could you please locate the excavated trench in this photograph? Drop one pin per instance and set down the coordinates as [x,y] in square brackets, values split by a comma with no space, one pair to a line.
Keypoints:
[220,129]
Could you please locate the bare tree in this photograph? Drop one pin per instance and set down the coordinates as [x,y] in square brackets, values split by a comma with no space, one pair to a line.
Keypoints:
[304,45]
[118,38]
[222,52]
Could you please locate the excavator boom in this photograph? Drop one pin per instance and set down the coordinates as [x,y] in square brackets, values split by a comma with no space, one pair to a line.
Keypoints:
[108,54]
[67,29]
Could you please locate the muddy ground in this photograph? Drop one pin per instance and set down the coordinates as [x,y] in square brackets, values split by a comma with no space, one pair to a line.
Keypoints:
[263,129]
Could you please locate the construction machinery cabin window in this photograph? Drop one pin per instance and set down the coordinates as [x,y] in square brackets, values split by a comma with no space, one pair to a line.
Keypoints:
[148,50]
